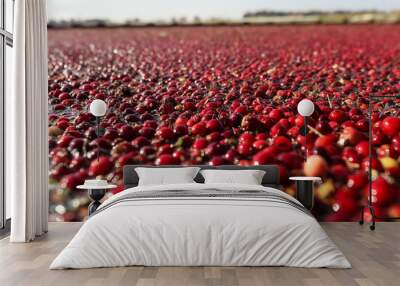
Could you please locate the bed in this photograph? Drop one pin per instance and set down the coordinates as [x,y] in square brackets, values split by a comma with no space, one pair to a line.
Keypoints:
[197,224]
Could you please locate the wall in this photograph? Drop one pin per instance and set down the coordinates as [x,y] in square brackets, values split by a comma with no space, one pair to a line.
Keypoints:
[226,95]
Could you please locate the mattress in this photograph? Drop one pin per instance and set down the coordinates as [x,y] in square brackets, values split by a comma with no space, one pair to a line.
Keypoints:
[201,225]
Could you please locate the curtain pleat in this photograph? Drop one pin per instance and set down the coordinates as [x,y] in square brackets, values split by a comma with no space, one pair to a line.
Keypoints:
[28,159]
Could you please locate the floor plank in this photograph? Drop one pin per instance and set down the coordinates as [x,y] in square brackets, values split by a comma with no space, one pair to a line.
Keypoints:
[375,257]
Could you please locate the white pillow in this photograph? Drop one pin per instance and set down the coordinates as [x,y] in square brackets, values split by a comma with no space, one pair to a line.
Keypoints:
[247,177]
[166,176]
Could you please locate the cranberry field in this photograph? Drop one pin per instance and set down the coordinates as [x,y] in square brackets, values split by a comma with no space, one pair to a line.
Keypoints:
[227,95]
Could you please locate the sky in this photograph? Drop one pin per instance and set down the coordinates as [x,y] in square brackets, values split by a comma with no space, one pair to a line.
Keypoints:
[151,10]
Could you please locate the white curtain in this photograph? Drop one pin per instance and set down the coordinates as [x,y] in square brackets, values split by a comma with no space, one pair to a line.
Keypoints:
[26,123]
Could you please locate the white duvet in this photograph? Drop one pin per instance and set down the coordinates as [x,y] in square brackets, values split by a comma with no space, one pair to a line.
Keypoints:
[200,231]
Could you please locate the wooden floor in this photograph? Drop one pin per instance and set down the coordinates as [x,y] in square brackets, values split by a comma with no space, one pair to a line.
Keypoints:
[375,257]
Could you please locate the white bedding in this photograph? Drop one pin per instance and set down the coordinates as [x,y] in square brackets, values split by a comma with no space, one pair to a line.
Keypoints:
[200,231]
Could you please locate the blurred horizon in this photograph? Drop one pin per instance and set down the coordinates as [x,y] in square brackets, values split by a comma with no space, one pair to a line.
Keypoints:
[158,10]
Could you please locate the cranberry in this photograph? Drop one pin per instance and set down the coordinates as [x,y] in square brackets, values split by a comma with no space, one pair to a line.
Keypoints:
[214,149]
[282,143]
[166,159]
[100,167]
[315,166]
[386,150]
[199,129]
[377,138]
[382,192]
[275,114]
[64,141]
[246,138]
[147,151]
[292,160]
[140,141]
[345,205]
[110,134]
[148,132]
[181,130]
[337,116]
[165,133]
[351,136]
[394,211]
[260,144]
[200,143]
[391,126]
[217,160]
[350,155]
[266,156]
[230,155]
[76,145]
[179,155]
[100,143]
[362,148]
[54,131]
[213,137]
[73,180]
[357,181]
[325,141]
[339,173]
[127,132]
[62,124]
[249,123]
[59,171]
[213,125]
[244,149]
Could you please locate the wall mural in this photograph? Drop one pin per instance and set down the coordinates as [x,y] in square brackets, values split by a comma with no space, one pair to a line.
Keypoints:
[226,95]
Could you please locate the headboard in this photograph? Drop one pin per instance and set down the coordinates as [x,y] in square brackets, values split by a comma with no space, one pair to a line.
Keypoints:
[271,178]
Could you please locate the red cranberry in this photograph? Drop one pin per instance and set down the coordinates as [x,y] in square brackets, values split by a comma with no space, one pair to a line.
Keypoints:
[337,115]
[59,171]
[339,173]
[357,181]
[147,151]
[275,114]
[166,159]
[127,132]
[148,132]
[181,130]
[247,138]
[230,155]
[362,148]
[217,160]
[282,143]
[260,144]
[214,149]
[126,159]
[73,180]
[383,193]
[244,149]
[350,155]
[266,156]
[199,129]
[345,205]
[165,133]
[100,167]
[391,126]
[214,125]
